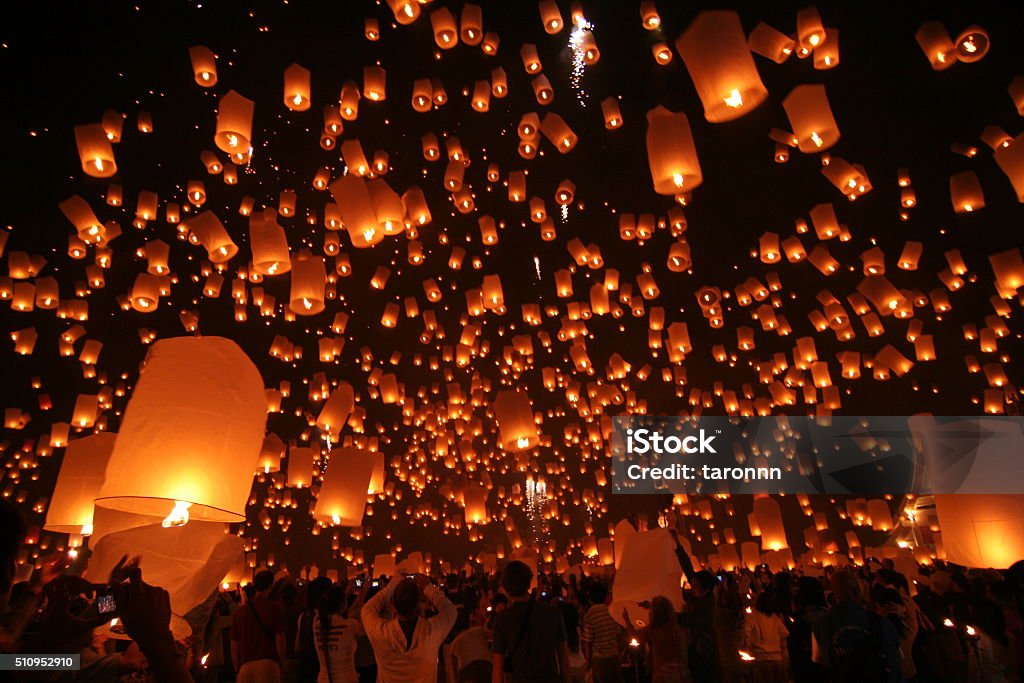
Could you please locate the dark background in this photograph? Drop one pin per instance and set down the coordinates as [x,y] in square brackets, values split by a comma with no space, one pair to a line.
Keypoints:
[65,63]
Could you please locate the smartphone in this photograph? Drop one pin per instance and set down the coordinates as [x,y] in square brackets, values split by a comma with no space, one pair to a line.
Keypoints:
[359,583]
[375,583]
[105,603]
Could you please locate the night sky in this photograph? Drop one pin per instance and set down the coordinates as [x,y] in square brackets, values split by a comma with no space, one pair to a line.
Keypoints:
[65,64]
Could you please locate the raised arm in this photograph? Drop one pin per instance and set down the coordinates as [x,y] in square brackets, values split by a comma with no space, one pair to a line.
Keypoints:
[373,622]
[446,611]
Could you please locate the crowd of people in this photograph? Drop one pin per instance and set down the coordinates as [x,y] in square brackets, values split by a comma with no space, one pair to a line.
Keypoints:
[856,624]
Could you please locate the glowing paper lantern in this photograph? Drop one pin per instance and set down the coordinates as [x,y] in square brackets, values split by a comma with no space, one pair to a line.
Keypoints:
[937,45]
[204,65]
[234,126]
[342,497]
[671,153]
[357,210]
[78,211]
[79,482]
[551,17]
[206,230]
[1011,161]
[965,192]
[269,244]
[810,115]
[972,44]
[443,24]
[982,530]
[770,43]
[336,410]
[296,88]
[309,281]
[191,434]
[95,151]
[715,51]
[514,415]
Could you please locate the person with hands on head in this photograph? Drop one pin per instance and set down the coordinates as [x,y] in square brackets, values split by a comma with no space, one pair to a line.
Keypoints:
[406,646]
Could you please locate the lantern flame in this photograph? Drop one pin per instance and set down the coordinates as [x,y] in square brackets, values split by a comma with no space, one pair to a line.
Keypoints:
[735,99]
[816,139]
[746,656]
[178,516]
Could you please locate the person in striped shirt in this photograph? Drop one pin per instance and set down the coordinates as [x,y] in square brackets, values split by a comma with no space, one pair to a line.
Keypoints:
[603,639]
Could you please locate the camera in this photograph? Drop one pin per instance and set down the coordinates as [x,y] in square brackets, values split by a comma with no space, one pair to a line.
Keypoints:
[105,603]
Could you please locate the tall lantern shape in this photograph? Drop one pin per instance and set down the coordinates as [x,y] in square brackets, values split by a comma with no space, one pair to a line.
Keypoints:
[346,482]
[204,65]
[206,230]
[357,210]
[309,283]
[810,115]
[716,54]
[234,126]
[514,414]
[79,482]
[191,434]
[296,87]
[671,153]
[95,151]
[269,244]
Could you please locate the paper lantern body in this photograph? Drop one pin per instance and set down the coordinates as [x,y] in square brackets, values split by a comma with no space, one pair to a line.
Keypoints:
[234,126]
[514,415]
[192,432]
[715,51]
[671,153]
[309,282]
[982,530]
[270,255]
[342,498]
[810,115]
[79,482]
[95,151]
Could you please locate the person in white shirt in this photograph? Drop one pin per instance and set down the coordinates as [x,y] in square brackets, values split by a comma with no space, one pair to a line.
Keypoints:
[335,638]
[406,646]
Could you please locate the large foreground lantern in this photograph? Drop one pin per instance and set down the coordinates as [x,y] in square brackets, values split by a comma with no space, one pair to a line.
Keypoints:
[716,54]
[342,498]
[982,530]
[79,481]
[191,434]
[671,153]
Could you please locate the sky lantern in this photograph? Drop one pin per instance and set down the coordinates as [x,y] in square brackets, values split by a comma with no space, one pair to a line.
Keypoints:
[374,83]
[206,230]
[972,44]
[301,462]
[826,55]
[80,479]
[405,11]
[357,210]
[471,23]
[234,126]
[309,278]
[296,88]
[342,497]
[446,34]
[514,415]
[612,114]
[715,51]
[551,17]
[270,255]
[95,151]
[671,153]
[557,131]
[191,434]
[811,118]
[271,452]
[965,192]
[88,228]
[770,43]
[936,44]
[1010,159]
[348,102]
[204,65]
[982,531]
[809,30]
[649,17]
